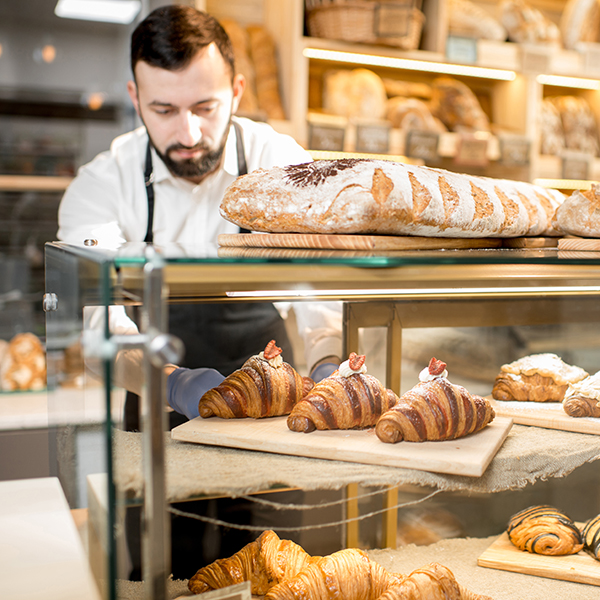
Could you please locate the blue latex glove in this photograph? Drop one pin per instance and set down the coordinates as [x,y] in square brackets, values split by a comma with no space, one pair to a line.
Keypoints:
[322,371]
[185,387]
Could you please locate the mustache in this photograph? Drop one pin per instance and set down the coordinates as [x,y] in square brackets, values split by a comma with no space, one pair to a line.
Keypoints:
[200,146]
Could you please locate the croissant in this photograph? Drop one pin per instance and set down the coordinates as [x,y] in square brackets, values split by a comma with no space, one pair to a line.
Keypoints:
[349,574]
[583,397]
[265,386]
[347,399]
[536,378]
[265,562]
[544,530]
[591,536]
[434,582]
[434,410]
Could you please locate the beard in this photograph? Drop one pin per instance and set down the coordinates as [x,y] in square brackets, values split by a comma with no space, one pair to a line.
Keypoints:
[194,168]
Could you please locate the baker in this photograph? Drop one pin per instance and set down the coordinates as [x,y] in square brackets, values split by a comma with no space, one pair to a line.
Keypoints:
[163,183]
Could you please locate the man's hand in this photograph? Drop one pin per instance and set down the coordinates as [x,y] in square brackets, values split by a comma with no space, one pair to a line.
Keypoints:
[185,387]
[324,368]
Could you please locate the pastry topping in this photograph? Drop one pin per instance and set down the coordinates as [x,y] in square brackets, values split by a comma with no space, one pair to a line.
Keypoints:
[272,354]
[588,387]
[436,368]
[317,172]
[355,365]
[546,365]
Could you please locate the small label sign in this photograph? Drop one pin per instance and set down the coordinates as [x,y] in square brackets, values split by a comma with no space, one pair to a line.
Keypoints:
[461,50]
[422,144]
[515,151]
[535,60]
[326,137]
[575,167]
[373,138]
[471,151]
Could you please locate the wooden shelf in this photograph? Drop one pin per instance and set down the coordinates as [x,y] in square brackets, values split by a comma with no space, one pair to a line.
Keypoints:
[33,183]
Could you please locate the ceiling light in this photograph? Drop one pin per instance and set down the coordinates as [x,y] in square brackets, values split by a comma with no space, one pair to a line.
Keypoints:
[109,11]
[572,82]
[410,64]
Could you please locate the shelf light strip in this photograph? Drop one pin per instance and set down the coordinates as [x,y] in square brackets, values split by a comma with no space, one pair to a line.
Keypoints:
[564,184]
[571,82]
[499,291]
[409,64]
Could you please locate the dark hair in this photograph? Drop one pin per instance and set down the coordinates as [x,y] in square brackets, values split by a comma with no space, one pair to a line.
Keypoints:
[170,36]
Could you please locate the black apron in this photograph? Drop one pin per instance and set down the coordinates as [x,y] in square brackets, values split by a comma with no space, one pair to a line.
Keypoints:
[220,336]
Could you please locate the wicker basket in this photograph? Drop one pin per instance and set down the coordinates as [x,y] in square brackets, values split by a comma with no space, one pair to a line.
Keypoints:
[366,21]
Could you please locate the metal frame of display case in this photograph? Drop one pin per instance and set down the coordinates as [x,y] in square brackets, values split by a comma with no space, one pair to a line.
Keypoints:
[412,289]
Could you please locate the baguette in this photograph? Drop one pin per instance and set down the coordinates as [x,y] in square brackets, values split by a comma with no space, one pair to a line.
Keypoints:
[363,196]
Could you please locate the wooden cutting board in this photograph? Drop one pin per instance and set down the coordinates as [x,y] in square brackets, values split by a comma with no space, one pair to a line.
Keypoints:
[530,242]
[579,568]
[352,242]
[582,244]
[550,415]
[469,456]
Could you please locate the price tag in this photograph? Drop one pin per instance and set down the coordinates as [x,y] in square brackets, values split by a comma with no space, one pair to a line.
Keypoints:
[391,20]
[471,151]
[373,138]
[461,49]
[576,167]
[240,591]
[326,137]
[515,151]
[422,144]
[535,60]
[591,57]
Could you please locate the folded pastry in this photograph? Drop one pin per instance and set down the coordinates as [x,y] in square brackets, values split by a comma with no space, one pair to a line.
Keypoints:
[434,410]
[536,378]
[432,581]
[265,386]
[349,574]
[582,399]
[591,536]
[544,530]
[347,399]
[264,562]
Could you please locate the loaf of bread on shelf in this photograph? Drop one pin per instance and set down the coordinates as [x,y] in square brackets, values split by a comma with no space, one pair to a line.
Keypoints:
[526,24]
[265,386]
[23,365]
[467,19]
[433,581]
[412,114]
[579,123]
[407,89]
[591,536]
[265,562]
[552,134]
[349,398]
[582,399]
[455,104]
[434,410]
[349,574]
[356,93]
[264,59]
[364,196]
[536,378]
[580,22]
[544,530]
[579,214]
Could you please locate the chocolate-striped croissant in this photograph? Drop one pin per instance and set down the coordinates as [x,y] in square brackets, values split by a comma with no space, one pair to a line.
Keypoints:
[348,574]
[432,581]
[544,530]
[434,410]
[265,386]
[591,536]
[347,399]
[264,562]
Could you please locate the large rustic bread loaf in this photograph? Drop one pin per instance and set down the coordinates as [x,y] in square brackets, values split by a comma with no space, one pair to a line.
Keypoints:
[579,214]
[379,196]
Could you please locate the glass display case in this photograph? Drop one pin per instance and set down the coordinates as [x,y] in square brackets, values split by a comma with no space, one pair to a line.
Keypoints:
[494,304]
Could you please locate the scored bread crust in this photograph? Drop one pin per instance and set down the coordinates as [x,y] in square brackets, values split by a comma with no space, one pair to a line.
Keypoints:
[364,196]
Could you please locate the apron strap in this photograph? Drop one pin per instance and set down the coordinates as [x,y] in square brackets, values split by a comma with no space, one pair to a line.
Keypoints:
[149,177]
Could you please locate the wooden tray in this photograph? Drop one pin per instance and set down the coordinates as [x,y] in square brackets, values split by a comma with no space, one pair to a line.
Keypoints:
[469,456]
[550,415]
[530,242]
[352,242]
[579,568]
[581,244]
